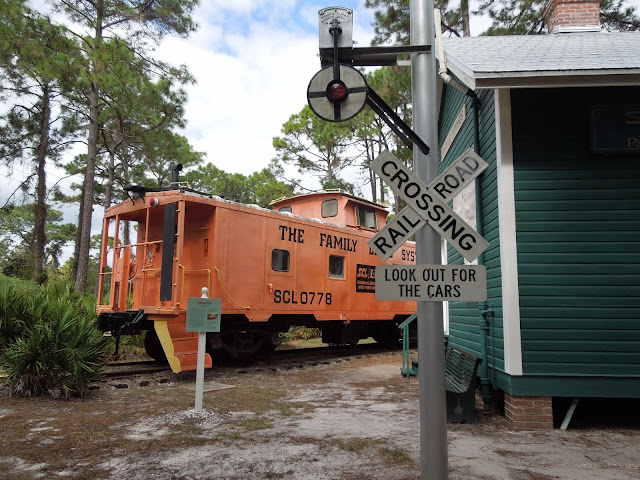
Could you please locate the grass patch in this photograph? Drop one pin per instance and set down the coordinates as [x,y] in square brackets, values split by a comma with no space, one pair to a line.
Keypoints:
[256,424]
[286,411]
[131,346]
[355,444]
[257,400]
[302,343]
[396,455]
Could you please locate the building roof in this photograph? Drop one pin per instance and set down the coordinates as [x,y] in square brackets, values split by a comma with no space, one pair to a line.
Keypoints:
[563,59]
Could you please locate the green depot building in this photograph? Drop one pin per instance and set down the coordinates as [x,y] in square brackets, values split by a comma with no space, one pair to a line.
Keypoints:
[557,117]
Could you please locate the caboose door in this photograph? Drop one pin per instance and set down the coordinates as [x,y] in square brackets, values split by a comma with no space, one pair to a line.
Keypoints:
[169,240]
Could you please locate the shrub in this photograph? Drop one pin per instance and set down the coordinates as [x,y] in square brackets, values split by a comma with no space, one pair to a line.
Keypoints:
[14,316]
[300,333]
[50,342]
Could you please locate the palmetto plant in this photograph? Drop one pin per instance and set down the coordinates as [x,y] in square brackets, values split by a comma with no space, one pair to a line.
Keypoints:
[50,343]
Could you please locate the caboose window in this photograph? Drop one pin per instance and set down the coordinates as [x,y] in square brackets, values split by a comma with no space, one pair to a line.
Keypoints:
[329,208]
[285,209]
[366,216]
[336,266]
[280,260]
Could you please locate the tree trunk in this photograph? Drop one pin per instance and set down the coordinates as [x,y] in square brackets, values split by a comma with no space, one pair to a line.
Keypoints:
[381,182]
[125,176]
[464,10]
[87,201]
[370,149]
[396,201]
[108,194]
[41,189]
[92,152]
[111,173]
[76,249]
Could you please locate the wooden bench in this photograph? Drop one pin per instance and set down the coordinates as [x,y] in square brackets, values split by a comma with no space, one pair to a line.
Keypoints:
[460,382]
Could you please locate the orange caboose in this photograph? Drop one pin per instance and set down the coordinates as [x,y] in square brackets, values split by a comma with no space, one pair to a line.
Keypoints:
[306,264]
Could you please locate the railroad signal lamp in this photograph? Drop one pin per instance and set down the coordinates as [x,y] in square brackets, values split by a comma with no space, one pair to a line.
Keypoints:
[154,202]
[337,91]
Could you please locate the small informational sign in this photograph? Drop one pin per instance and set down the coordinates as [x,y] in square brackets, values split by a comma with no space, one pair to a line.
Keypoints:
[615,128]
[365,278]
[432,283]
[203,314]
[453,132]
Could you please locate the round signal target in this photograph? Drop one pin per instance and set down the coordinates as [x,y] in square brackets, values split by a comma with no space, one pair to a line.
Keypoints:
[337,93]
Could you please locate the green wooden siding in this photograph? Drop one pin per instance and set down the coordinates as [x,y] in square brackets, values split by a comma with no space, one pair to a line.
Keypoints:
[578,235]
[464,329]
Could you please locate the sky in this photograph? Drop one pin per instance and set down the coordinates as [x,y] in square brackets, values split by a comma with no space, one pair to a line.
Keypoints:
[252,60]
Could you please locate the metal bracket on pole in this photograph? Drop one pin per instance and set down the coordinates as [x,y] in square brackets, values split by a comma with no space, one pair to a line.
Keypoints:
[372,56]
[394,122]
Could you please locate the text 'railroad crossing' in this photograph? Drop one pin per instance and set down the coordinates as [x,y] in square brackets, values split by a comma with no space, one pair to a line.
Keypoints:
[428,205]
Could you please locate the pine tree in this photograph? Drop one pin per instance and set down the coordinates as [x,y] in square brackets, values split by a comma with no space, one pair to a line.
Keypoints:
[138,23]
[37,61]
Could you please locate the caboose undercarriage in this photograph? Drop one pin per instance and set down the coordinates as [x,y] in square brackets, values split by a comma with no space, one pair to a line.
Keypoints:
[240,339]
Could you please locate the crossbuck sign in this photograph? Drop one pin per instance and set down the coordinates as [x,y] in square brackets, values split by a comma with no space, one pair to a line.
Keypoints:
[428,205]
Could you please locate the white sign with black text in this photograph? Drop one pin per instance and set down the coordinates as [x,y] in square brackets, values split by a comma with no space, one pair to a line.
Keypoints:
[432,283]
[428,204]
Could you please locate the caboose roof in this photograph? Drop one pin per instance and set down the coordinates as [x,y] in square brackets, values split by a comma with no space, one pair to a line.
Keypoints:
[316,197]
[311,205]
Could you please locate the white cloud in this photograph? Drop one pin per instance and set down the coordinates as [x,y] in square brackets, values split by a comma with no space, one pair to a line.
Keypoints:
[250,79]
[253,61]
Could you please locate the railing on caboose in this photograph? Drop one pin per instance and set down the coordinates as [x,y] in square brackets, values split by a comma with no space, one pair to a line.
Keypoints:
[129,262]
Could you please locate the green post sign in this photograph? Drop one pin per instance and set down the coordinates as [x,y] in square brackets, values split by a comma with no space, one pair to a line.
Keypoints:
[203,314]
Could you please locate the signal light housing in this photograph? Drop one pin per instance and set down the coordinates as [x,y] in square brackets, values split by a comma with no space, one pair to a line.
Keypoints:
[337,91]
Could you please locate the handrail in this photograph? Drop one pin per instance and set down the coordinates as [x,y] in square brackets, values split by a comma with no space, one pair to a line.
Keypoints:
[227,293]
[407,369]
[185,271]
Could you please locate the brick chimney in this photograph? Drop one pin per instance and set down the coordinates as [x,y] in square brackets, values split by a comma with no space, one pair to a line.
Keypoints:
[565,16]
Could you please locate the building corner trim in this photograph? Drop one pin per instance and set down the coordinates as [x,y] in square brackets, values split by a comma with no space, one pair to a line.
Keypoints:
[507,229]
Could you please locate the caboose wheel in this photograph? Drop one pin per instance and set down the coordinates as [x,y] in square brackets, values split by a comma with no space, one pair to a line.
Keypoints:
[153,346]
[242,344]
[387,334]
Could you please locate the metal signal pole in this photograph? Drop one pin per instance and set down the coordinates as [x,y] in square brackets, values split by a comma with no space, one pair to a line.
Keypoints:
[433,410]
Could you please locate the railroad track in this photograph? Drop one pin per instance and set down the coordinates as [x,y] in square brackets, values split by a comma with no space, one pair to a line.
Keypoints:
[116,370]
[278,360]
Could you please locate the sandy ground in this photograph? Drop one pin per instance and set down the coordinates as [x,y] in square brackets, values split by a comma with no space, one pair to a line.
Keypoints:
[349,420]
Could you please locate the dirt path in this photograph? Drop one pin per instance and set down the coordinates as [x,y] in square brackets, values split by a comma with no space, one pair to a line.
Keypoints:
[349,420]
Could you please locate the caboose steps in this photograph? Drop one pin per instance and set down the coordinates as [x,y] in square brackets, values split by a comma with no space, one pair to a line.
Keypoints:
[180,347]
